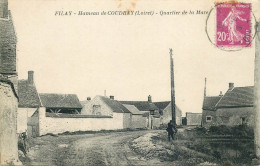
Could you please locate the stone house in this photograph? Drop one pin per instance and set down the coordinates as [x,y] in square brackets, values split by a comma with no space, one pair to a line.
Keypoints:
[235,107]
[137,117]
[149,109]
[102,105]
[29,102]
[165,110]
[8,41]
[8,88]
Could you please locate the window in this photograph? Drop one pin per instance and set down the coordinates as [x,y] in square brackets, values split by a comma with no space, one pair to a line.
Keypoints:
[96,109]
[208,118]
[243,120]
[152,112]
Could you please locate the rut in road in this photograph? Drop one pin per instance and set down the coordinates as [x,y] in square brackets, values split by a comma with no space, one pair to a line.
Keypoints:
[109,149]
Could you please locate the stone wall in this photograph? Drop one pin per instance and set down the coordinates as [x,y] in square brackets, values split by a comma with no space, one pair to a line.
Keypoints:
[193,119]
[8,135]
[59,125]
[138,121]
[229,116]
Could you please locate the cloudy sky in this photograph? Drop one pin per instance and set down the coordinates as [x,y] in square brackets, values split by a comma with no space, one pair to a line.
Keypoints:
[128,56]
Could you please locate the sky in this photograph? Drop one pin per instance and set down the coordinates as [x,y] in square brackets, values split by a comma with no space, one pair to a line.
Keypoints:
[128,56]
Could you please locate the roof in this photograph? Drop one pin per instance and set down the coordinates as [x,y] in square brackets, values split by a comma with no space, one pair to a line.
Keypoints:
[52,100]
[28,95]
[141,105]
[162,105]
[238,97]
[8,42]
[115,105]
[133,109]
[84,102]
[209,102]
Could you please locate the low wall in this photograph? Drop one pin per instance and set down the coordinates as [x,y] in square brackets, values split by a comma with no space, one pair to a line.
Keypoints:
[138,121]
[193,119]
[57,125]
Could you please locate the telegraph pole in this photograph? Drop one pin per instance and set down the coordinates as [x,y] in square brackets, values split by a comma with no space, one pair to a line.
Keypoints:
[257,92]
[172,90]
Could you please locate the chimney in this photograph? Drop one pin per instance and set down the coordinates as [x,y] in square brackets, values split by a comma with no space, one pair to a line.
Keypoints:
[231,86]
[112,97]
[149,98]
[4,9]
[30,77]
[88,98]
[220,94]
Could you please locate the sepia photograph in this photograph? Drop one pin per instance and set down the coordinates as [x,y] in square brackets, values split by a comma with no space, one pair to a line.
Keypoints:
[130,82]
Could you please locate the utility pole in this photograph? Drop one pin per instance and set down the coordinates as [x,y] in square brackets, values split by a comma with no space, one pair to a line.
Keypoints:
[172,90]
[257,92]
[205,87]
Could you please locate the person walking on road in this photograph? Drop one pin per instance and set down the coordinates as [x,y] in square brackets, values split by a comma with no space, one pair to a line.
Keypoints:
[172,130]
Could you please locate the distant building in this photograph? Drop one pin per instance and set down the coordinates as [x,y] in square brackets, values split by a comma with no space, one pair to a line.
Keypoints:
[235,107]
[193,119]
[149,110]
[165,110]
[138,119]
[61,103]
[101,105]
[29,102]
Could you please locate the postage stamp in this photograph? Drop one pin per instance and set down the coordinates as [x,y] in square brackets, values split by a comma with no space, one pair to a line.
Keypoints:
[233,21]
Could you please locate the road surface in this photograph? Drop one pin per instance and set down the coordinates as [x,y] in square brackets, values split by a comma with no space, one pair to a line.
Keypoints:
[90,149]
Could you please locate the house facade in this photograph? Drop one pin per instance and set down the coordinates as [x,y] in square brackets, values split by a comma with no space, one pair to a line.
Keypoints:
[149,110]
[138,120]
[165,110]
[102,105]
[8,88]
[29,102]
[193,119]
[235,107]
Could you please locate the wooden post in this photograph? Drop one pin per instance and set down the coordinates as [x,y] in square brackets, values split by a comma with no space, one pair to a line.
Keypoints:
[257,91]
[172,90]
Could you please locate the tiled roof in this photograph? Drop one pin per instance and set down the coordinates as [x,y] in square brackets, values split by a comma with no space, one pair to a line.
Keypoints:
[115,105]
[50,100]
[238,97]
[209,102]
[28,95]
[141,105]
[84,102]
[133,109]
[162,105]
[7,46]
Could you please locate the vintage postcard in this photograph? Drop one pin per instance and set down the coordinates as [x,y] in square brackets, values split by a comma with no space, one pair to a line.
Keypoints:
[129,82]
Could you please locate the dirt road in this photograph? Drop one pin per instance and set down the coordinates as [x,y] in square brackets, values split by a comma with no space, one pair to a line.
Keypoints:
[90,149]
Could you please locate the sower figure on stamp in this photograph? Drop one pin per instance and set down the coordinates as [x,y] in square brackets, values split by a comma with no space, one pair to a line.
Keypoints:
[172,130]
[230,22]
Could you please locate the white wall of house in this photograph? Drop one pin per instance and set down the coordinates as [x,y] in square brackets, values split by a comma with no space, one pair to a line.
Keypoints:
[23,114]
[127,120]
[167,115]
[60,125]
[92,108]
